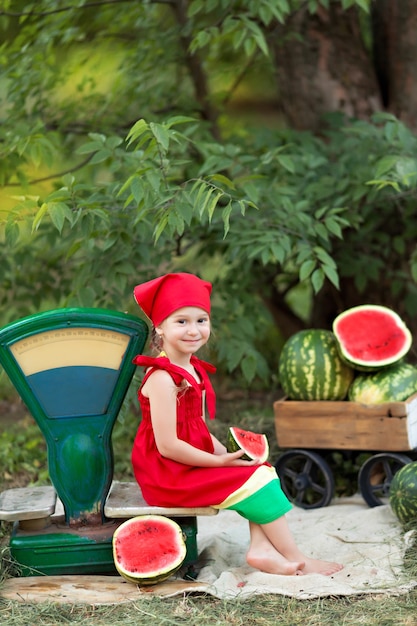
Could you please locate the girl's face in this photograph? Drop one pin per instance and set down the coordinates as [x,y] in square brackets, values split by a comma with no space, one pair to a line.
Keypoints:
[185,331]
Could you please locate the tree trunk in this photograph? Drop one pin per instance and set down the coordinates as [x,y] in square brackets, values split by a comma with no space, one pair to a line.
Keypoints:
[395,46]
[196,69]
[323,66]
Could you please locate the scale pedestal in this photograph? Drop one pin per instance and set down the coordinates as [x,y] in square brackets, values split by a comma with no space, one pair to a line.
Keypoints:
[58,549]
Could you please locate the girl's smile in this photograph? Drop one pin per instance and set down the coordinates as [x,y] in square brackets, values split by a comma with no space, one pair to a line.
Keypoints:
[185,331]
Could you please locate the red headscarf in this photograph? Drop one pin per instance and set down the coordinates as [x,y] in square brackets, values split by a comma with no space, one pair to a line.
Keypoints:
[160,297]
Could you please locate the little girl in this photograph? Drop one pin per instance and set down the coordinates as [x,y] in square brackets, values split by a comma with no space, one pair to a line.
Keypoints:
[176,461]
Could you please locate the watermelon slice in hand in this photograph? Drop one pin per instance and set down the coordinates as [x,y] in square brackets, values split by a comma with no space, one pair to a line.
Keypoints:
[255,445]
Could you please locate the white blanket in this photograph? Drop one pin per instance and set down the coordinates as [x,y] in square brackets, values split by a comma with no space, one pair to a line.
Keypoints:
[368,541]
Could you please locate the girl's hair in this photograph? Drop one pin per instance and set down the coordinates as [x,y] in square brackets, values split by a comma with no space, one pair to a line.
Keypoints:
[155,342]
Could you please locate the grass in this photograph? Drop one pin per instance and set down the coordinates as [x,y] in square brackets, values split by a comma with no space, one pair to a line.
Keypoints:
[373,610]
[251,412]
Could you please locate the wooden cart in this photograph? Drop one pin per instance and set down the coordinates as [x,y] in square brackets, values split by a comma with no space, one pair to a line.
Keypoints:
[387,431]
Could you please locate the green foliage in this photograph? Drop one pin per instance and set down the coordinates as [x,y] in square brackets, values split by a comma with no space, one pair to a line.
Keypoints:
[23,451]
[120,174]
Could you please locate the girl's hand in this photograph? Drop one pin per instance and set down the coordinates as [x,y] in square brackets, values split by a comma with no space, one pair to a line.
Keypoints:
[233,459]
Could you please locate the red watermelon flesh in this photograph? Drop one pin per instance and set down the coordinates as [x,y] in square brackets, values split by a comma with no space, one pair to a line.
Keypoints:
[255,445]
[371,336]
[148,549]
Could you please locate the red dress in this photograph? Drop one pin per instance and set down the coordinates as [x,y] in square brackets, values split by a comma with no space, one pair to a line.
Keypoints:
[169,483]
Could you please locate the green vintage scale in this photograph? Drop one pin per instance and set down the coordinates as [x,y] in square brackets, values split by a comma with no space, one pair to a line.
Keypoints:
[72,368]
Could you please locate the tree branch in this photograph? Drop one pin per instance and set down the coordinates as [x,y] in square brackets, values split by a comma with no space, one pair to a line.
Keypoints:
[35,181]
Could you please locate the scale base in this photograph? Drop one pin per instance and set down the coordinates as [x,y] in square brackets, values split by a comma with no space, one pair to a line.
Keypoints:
[59,549]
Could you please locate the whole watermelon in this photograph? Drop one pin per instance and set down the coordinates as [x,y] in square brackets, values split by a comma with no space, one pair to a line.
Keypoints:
[310,367]
[403,493]
[391,384]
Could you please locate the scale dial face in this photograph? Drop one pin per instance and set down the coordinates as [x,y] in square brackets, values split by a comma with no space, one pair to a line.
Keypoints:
[72,372]
[69,347]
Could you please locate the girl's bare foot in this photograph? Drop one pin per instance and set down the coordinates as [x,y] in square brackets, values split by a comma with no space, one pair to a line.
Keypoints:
[272,562]
[316,566]
[280,538]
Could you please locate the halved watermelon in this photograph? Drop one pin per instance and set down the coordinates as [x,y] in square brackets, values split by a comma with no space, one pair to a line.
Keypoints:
[254,445]
[370,337]
[148,549]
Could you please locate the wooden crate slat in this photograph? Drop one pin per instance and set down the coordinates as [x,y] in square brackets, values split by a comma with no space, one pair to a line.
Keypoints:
[347,425]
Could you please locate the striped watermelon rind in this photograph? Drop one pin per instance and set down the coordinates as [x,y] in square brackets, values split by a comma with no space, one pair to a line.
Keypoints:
[403,493]
[392,384]
[310,367]
[370,337]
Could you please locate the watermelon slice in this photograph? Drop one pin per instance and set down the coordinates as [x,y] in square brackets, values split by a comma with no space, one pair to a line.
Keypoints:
[254,445]
[371,337]
[148,549]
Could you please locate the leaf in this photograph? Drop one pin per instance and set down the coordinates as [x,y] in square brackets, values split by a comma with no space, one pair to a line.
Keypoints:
[278,252]
[248,366]
[381,184]
[407,170]
[385,164]
[226,218]
[213,204]
[209,192]
[154,179]
[138,130]
[113,142]
[317,280]
[195,7]
[136,187]
[223,180]
[100,156]
[322,231]
[333,226]
[324,257]
[178,119]
[287,162]
[59,212]
[161,135]
[91,146]
[160,227]
[332,275]
[306,269]
[12,233]
[39,216]
[321,212]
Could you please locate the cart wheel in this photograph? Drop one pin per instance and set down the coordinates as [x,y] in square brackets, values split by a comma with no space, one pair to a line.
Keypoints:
[306,478]
[376,474]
